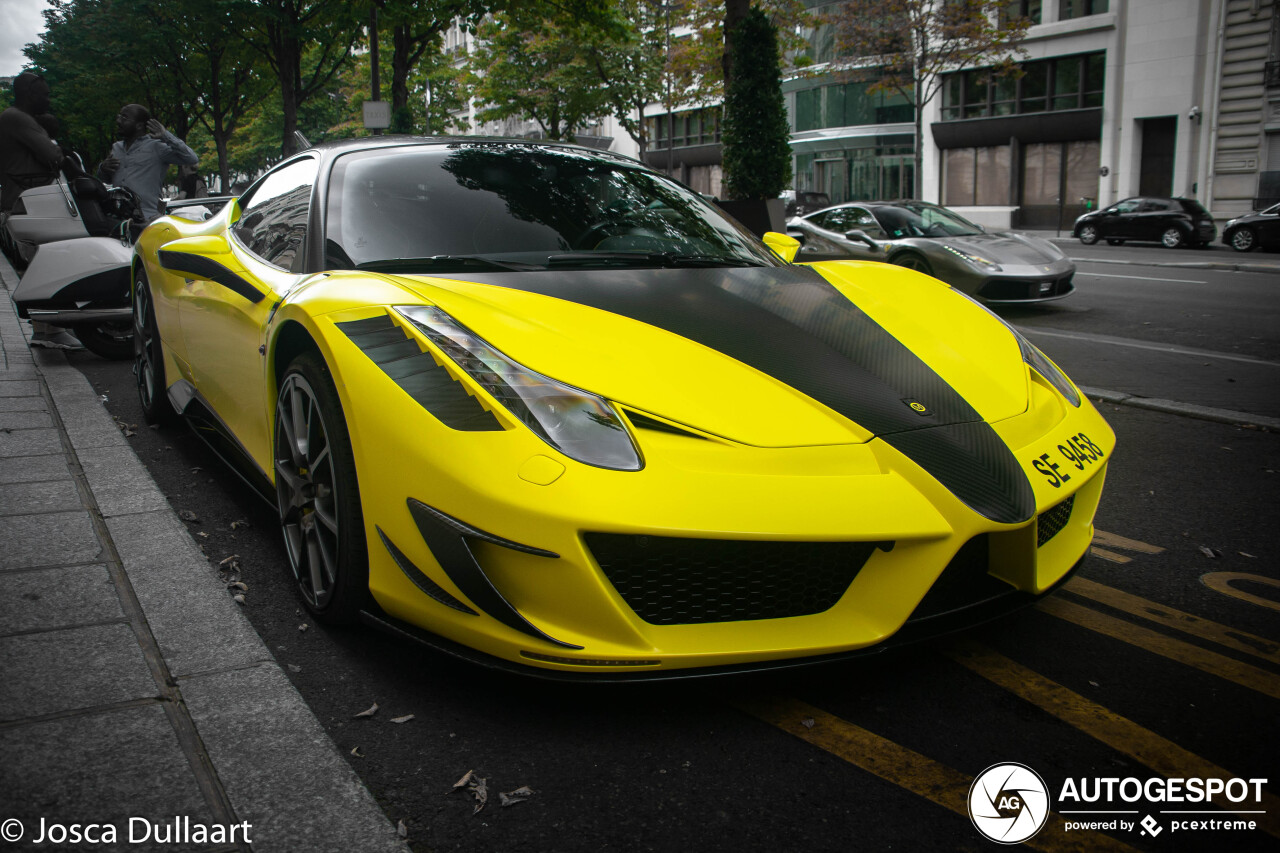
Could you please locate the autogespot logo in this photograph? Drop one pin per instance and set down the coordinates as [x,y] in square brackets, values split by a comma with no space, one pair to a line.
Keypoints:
[1008,803]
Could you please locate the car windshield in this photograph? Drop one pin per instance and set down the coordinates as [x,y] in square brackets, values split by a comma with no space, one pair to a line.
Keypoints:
[474,206]
[919,219]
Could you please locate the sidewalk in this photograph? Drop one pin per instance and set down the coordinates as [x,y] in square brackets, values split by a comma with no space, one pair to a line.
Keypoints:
[1264,262]
[134,694]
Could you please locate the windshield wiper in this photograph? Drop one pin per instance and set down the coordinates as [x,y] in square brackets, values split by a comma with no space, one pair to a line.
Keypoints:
[439,263]
[647,259]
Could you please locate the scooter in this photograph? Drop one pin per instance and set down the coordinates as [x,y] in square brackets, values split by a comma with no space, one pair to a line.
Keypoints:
[76,239]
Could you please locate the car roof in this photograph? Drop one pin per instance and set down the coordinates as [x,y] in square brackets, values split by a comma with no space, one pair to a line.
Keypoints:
[334,147]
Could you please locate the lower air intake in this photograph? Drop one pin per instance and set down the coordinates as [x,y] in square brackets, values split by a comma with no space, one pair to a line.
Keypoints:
[1052,520]
[677,581]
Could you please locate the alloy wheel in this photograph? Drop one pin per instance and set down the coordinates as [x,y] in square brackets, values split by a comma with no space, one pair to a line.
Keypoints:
[1243,240]
[145,356]
[1171,238]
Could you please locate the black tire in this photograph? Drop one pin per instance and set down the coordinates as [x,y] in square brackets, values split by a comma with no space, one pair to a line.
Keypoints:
[913,261]
[318,494]
[111,340]
[1111,241]
[148,356]
[1243,240]
[1088,234]
[1172,238]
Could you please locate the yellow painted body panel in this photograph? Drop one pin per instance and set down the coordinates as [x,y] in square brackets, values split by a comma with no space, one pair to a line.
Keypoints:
[765,462]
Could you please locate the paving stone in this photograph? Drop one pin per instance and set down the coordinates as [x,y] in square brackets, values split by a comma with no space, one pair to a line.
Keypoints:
[24,420]
[70,669]
[89,424]
[24,404]
[32,468]
[49,539]
[279,768]
[197,625]
[19,387]
[57,598]
[30,442]
[99,768]
[46,497]
[119,483]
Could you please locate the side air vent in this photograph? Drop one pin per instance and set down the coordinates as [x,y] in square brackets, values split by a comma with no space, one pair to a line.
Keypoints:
[417,373]
[640,421]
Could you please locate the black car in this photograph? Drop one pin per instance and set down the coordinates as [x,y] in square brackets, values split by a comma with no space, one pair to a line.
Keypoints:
[1172,221]
[1260,228]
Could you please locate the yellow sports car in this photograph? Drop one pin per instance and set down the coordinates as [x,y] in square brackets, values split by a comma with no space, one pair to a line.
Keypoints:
[544,408]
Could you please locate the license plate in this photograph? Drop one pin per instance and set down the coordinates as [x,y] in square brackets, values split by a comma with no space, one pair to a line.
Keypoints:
[1075,454]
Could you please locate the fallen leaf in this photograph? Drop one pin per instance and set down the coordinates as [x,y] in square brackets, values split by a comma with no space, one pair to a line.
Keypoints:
[369,712]
[202,534]
[1246,554]
[238,523]
[478,786]
[303,627]
[355,750]
[519,795]
[807,722]
[402,830]
[466,778]
[232,559]
[1211,553]
[406,718]
[240,585]
[293,667]
[238,598]
[1094,683]
[187,515]
[153,426]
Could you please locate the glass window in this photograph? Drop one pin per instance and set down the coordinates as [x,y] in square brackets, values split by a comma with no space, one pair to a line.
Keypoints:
[1021,9]
[975,93]
[809,109]
[273,214]
[1068,9]
[1129,205]
[991,184]
[951,96]
[1035,85]
[958,176]
[1066,83]
[1041,173]
[1083,159]
[1004,94]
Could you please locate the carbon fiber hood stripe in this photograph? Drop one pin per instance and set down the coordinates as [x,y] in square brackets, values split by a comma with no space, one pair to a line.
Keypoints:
[790,323]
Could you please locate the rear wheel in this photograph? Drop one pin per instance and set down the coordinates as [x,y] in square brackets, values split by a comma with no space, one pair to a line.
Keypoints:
[1172,238]
[912,261]
[318,495]
[112,340]
[1244,240]
[148,356]
[1088,234]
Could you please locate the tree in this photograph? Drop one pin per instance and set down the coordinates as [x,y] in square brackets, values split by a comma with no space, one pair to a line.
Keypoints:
[916,42]
[757,154]
[628,60]
[538,70]
[416,33]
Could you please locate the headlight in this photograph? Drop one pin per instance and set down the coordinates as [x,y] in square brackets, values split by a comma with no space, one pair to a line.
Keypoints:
[580,425]
[1040,363]
[976,260]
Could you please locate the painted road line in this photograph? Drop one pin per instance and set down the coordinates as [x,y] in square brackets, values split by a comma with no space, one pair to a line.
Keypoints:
[1204,660]
[1223,635]
[1100,723]
[1221,582]
[1109,555]
[1172,349]
[1114,540]
[1139,277]
[904,767]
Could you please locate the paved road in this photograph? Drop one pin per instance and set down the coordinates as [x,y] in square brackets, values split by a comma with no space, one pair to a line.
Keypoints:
[1163,659]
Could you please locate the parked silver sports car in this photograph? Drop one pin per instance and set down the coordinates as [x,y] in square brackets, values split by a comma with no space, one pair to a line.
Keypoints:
[995,267]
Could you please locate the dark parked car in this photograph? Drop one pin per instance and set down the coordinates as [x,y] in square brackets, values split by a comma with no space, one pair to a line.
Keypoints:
[1172,221]
[800,203]
[1260,228]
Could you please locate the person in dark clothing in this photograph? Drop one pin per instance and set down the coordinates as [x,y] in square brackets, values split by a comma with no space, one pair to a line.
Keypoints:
[29,157]
[143,155]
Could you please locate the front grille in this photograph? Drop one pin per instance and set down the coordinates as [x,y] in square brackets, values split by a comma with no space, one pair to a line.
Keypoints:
[963,583]
[1017,289]
[1052,520]
[678,581]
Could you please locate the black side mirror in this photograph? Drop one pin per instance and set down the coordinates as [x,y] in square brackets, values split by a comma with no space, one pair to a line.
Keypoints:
[860,236]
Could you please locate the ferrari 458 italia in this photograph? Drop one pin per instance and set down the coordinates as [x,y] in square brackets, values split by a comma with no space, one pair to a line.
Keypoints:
[544,408]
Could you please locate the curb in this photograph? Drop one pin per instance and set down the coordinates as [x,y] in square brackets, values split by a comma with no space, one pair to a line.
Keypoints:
[1192,265]
[1190,410]
[263,753]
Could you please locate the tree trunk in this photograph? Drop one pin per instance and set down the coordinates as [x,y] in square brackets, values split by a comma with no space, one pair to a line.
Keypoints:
[734,12]
[401,48]
[290,84]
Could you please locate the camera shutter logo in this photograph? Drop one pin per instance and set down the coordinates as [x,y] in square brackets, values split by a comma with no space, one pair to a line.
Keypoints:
[1008,803]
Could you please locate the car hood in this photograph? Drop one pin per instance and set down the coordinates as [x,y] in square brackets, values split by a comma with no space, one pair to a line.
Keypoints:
[770,357]
[1006,248]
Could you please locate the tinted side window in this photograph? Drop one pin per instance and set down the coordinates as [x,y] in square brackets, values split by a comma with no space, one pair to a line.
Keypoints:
[273,218]
[1129,205]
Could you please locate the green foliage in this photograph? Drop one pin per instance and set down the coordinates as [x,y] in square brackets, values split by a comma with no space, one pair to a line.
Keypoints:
[757,156]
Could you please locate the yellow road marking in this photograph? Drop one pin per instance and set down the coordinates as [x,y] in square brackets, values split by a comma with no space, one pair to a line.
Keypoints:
[1221,582]
[1211,662]
[904,767]
[1121,734]
[1109,555]
[1114,540]
[1221,634]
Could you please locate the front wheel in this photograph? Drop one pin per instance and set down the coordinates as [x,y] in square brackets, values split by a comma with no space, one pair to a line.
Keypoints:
[148,357]
[912,261]
[1088,235]
[318,494]
[112,340]
[1172,238]
[1244,240]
